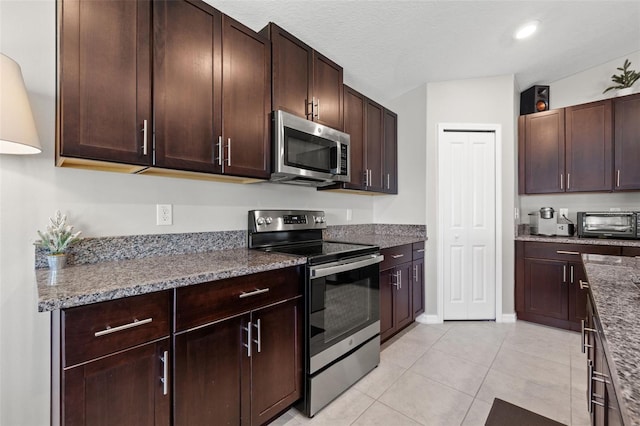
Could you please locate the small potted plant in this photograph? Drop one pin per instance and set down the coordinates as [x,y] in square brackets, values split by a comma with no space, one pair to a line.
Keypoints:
[56,240]
[625,80]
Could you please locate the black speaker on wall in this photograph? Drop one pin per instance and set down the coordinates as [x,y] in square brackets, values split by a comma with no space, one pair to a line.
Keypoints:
[534,99]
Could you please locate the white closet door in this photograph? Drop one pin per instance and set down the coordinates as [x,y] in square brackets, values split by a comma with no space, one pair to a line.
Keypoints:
[467,188]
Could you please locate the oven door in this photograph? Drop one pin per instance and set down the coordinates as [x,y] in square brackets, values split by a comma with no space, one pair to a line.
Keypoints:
[343,307]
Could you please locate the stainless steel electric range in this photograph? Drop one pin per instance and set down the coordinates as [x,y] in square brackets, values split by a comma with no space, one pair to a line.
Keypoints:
[342,315]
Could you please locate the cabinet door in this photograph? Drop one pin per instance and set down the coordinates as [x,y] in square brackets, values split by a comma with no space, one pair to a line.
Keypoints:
[387,328]
[374,134]
[276,367]
[390,175]
[577,296]
[627,142]
[327,91]
[105,80]
[246,99]
[209,363]
[588,147]
[187,86]
[403,309]
[125,388]
[417,287]
[545,288]
[354,103]
[543,152]
[292,75]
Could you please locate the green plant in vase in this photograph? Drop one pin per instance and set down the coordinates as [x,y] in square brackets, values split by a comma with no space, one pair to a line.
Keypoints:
[57,239]
[626,79]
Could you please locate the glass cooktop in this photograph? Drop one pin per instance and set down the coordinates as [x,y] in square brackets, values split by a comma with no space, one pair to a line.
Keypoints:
[325,251]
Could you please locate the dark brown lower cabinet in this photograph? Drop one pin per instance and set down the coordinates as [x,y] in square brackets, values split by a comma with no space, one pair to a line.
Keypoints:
[417,287]
[548,282]
[124,388]
[602,401]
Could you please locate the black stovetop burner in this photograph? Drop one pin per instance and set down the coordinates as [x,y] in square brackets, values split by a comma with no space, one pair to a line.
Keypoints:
[299,232]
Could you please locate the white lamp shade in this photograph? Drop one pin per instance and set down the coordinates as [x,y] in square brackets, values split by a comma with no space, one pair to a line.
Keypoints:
[18,133]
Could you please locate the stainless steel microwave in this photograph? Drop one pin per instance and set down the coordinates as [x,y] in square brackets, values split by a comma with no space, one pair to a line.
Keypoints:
[609,225]
[308,153]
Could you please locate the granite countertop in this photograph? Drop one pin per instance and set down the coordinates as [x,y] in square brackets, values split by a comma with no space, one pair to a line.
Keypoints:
[89,283]
[615,285]
[381,240]
[576,240]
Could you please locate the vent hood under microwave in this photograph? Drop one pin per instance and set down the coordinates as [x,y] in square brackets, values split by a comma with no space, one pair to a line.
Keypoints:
[308,153]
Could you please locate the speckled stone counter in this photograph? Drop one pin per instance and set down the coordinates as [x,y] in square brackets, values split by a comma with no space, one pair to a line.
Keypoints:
[576,240]
[615,285]
[383,236]
[90,283]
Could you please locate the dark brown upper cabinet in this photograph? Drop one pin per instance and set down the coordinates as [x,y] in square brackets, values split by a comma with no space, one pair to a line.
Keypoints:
[211,89]
[627,142]
[390,171]
[304,82]
[541,152]
[104,71]
[588,147]
[354,103]
[188,86]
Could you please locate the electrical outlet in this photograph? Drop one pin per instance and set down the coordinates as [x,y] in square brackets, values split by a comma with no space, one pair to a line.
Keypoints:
[564,212]
[164,214]
[614,209]
[516,213]
[349,215]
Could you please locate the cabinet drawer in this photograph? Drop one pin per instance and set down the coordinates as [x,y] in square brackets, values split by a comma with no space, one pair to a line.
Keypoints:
[204,303]
[418,250]
[567,252]
[395,256]
[631,251]
[102,328]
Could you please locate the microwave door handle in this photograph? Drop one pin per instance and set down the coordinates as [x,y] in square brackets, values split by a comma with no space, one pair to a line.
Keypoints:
[336,171]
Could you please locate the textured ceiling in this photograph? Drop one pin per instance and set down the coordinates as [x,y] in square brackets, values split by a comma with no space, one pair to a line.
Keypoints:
[390,47]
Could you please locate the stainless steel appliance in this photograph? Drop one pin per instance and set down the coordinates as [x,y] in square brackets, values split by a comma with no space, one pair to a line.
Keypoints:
[542,222]
[342,314]
[308,153]
[609,225]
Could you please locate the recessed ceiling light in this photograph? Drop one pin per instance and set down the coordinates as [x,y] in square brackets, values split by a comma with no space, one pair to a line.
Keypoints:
[526,30]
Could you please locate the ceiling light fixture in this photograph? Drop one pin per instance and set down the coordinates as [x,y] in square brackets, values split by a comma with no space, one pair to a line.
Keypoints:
[526,30]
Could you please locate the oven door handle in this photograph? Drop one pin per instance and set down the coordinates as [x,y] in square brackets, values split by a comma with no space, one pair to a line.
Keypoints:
[343,266]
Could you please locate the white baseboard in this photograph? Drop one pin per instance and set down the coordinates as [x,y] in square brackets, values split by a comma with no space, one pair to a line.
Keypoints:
[429,319]
[507,318]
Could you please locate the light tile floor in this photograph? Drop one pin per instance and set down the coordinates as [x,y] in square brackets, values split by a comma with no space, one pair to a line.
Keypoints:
[448,374]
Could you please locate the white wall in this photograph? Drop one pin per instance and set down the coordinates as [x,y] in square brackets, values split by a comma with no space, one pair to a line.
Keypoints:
[583,87]
[98,203]
[481,101]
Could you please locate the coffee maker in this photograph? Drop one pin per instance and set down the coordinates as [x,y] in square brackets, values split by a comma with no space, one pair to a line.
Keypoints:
[542,222]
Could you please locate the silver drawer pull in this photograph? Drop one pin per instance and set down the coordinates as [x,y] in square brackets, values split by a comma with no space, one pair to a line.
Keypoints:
[568,252]
[165,372]
[420,250]
[253,293]
[110,330]
[397,256]
[583,285]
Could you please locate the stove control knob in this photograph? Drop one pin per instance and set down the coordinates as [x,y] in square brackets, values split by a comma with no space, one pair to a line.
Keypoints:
[260,221]
[322,220]
[268,220]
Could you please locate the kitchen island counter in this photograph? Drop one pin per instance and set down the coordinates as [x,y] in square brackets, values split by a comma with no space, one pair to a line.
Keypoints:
[614,283]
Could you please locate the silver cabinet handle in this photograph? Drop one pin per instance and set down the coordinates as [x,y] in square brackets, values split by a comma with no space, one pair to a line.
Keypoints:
[564,273]
[583,285]
[388,178]
[568,180]
[258,340]
[420,250]
[229,152]
[165,372]
[220,150]
[568,252]
[561,181]
[318,109]
[144,137]
[248,344]
[396,284]
[618,178]
[583,336]
[400,278]
[415,273]
[571,274]
[253,293]
[366,178]
[590,386]
[370,178]
[110,330]
[397,256]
